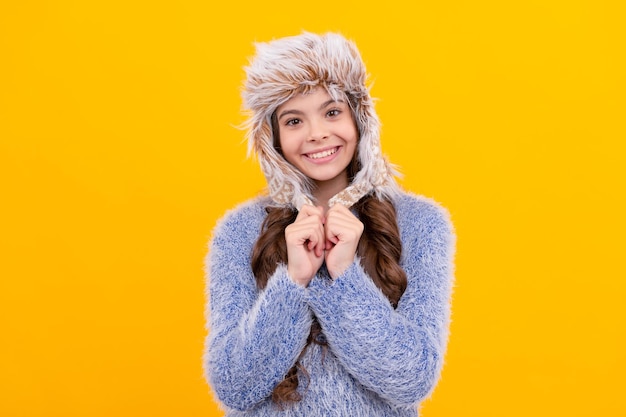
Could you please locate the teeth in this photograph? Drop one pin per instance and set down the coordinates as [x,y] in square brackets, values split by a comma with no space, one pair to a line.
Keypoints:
[322,154]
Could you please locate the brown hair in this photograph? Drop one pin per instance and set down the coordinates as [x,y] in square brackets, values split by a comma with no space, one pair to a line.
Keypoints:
[379,250]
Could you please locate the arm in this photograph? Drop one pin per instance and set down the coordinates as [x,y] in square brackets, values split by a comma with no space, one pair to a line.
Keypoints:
[395,353]
[254,336]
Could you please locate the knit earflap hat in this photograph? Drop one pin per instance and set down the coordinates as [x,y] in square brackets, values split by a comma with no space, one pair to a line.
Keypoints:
[294,65]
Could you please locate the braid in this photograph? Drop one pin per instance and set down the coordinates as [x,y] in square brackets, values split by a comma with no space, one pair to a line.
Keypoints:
[270,248]
[380,247]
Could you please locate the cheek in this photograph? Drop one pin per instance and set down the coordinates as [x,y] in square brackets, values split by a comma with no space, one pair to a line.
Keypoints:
[350,133]
[288,143]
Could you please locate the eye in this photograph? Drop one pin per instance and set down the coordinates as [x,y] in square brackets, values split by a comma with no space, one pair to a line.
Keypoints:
[292,122]
[333,113]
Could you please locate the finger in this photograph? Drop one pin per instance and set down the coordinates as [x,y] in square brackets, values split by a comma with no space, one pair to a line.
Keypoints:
[321,242]
[342,225]
[314,239]
[319,249]
[308,232]
[339,212]
[307,216]
[308,210]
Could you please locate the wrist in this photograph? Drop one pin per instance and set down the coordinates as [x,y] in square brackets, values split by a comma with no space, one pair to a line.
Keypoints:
[298,278]
[337,271]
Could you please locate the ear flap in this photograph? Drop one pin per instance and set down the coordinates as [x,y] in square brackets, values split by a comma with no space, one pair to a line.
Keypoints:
[292,65]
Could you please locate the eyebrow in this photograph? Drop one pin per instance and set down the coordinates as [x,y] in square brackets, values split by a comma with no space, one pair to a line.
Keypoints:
[299,112]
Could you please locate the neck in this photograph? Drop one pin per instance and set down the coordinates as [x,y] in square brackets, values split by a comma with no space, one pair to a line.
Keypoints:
[325,190]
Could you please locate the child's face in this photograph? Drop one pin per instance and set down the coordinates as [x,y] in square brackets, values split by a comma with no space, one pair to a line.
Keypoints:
[318,136]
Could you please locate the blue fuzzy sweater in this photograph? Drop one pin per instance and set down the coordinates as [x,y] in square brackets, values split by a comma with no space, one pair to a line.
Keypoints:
[379,361]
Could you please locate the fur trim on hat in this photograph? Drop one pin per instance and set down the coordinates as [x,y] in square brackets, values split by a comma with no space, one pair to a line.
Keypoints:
[288,66]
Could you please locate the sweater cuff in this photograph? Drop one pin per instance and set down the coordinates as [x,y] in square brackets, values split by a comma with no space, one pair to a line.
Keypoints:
[352,285]
[281,283]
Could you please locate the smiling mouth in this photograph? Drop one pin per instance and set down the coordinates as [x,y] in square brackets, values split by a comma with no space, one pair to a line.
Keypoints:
[322,154]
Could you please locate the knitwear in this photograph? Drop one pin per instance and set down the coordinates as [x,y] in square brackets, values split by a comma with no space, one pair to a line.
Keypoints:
[379,361]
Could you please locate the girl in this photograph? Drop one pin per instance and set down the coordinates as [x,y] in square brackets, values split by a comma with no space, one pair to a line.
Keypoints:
[329,296]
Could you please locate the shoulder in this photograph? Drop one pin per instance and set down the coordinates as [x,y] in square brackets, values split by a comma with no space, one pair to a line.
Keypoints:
[243,221]
[423,222]
[413,209]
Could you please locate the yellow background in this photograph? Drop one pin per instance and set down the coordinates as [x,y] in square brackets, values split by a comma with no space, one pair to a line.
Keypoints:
[118,154]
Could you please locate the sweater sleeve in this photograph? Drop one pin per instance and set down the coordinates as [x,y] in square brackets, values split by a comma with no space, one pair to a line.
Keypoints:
[396,353]
[254,336]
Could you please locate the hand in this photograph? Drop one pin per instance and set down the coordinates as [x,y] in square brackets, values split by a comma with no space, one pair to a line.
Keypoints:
[305,244]
[342,231]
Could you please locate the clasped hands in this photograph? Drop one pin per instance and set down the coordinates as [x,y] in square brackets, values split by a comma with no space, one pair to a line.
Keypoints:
[315,237]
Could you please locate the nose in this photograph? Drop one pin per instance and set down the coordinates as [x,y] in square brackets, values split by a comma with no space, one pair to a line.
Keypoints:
[318,130]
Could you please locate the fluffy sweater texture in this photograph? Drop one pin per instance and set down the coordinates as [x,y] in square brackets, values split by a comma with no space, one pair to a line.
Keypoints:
[379,361]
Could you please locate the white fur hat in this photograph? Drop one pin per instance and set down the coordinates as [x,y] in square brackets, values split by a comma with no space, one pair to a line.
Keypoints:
[288,66]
